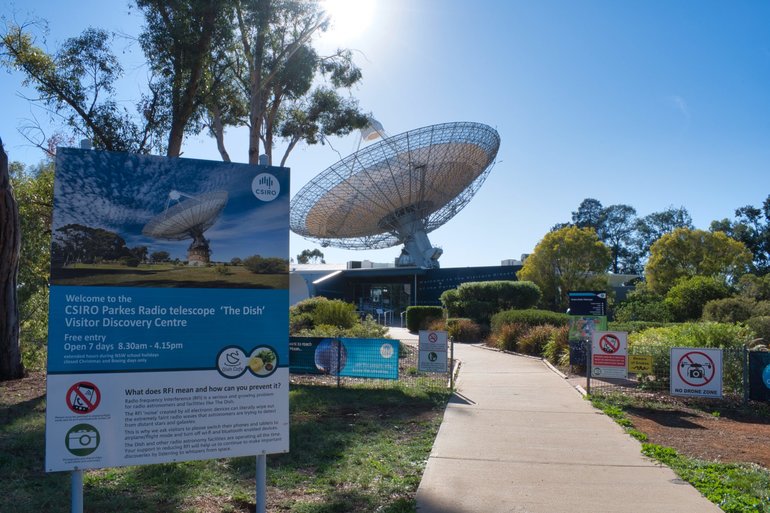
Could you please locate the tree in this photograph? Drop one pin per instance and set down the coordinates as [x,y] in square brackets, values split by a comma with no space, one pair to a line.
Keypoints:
[274,67]
[615,225]
[33,188]
[159,257]
[567,259]
[752,228]
[77,86]
[10,244]
[182,40]
[686,299]
[684,253]
[616,230]
[653,226]
[308,256]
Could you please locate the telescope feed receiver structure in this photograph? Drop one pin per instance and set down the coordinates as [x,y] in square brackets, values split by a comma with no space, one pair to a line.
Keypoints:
[397,190]
[188,219]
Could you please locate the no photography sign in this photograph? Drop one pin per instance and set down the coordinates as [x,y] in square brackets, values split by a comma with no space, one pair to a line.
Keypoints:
[609,352]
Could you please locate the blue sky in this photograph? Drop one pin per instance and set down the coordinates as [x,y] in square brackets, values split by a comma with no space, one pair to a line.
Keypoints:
[651,104]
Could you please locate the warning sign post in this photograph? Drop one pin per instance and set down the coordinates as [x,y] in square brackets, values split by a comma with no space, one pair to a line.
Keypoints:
[433,351]
[609,354]
[696,372]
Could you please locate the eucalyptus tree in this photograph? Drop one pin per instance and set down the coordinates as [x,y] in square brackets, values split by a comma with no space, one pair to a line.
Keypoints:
[752,227]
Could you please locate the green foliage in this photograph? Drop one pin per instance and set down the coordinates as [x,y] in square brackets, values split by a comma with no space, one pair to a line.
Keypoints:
[567,259]
[643,305]
[507,335]
[736,488]
[528,318]
[731,309]
[450,299]
[557,348]
[307,256]
[752,228]
[754,287]
[657,342]
[480,300]
[270,265]
[684,253]
[463,330]
[367,328]
[760,326]
[420,317]
[694,334]
[336,313]
[635,326]
[33,189]
[534,340]
[686,299]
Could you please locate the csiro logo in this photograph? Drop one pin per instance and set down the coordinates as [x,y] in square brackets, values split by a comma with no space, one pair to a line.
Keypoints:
[265,187]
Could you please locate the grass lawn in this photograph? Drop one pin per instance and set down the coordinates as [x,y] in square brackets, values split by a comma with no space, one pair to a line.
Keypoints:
[352,450]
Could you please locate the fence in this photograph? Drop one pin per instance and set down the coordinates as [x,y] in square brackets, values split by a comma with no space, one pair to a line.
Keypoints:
[657,378]
[379,363]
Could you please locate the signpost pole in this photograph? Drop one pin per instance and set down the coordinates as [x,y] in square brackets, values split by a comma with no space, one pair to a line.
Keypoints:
[587,345]
[77,491]
[261,495]
[451,363]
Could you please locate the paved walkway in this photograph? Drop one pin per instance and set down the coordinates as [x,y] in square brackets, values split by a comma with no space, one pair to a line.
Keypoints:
[517,438]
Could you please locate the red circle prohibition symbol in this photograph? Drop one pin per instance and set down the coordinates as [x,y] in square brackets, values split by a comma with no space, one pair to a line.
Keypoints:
[433,337]
[83,397]
[609,343]
[696,373]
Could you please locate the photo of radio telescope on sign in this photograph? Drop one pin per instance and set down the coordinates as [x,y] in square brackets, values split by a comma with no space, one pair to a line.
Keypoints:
[397,190]
[188,219]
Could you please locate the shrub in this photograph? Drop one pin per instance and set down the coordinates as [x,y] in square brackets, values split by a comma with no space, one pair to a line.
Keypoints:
[687,298]
[557,348]
[529,318]
[450,299]
[336,313]
[760,326]
[271,265]
[658,342]
[635,326]
[534,340]
[300,322]
[130,261]
[419,317]
[508,336]
[463,330]
[479,301]
[643,306]
[368,328]
[730,309]
[761,308]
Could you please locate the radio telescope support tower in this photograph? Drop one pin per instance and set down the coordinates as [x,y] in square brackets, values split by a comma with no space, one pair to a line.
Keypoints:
[188,219]
[397,190]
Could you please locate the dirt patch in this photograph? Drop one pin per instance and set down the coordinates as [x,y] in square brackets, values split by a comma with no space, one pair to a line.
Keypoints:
[725,435]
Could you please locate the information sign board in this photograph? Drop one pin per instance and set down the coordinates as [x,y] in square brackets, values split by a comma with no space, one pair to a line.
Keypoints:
[759,376]
[640,363]
[587,302]
[165,344]
[696,372]
[609,351]
[373,358]
[433,351]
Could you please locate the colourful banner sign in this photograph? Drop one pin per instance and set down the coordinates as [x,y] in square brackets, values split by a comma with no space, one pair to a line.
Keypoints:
[349,357]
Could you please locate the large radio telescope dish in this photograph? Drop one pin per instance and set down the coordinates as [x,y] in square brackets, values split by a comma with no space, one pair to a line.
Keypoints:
[188,219]
[397,190]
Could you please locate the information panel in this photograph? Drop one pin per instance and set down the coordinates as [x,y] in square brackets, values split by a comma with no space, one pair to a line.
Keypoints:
[433,351]
[168,321]
[373,358]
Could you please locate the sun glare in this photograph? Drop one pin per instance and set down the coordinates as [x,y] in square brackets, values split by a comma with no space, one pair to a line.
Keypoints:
[349,18]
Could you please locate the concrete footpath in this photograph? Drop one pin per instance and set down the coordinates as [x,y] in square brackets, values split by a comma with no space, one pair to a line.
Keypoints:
[517,438]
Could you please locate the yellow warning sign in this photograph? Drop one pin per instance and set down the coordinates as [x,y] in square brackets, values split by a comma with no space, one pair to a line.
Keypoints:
[640,364]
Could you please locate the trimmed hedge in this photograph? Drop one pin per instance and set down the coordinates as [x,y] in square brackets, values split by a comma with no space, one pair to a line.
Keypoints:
[420,317]
[530,317]
[479,301]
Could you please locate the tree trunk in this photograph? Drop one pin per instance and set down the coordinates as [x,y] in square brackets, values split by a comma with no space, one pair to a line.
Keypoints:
[10,244]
